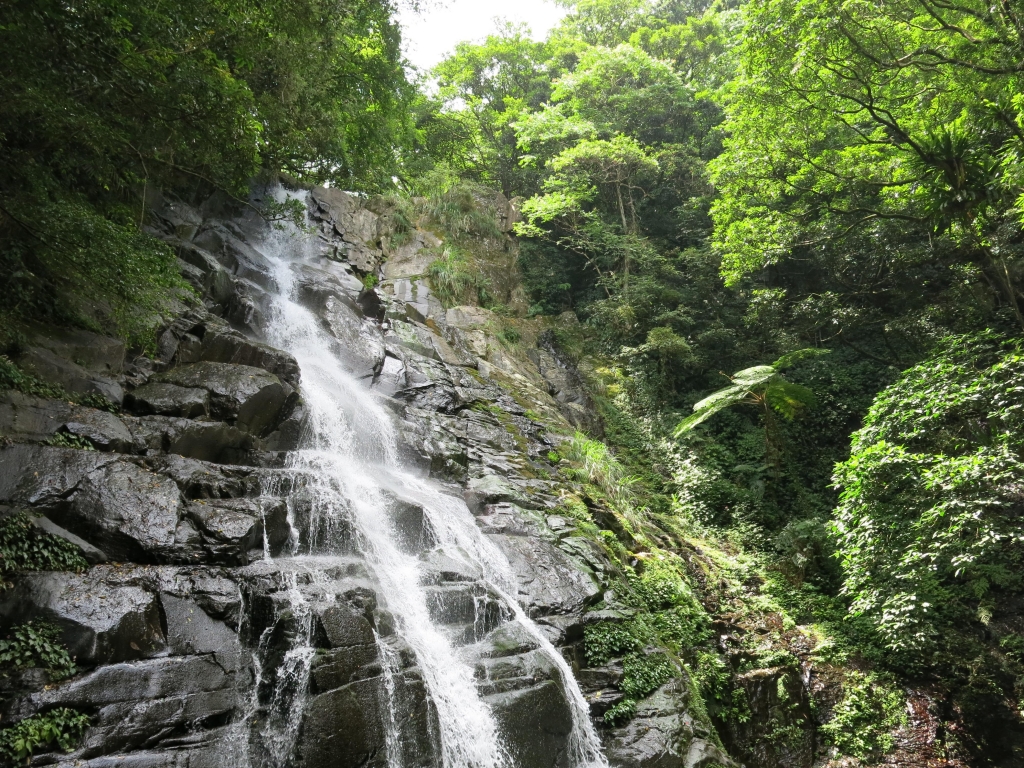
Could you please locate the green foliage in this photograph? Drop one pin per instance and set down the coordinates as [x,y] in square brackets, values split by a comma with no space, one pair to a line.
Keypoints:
[863,721]
[62,728]
[24,547]
[36,644]
[68,440]
[12,377]
[926,520]
[108,102]
[761,385]
[453,279]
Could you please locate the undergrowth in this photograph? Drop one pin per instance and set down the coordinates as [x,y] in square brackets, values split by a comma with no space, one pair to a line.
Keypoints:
[13,377]
[36,644]
[62,728]
[24,547]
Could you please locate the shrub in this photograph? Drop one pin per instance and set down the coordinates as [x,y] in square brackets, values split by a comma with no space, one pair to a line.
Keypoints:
[929,515]
[62,727]
[865,717]
[37,644]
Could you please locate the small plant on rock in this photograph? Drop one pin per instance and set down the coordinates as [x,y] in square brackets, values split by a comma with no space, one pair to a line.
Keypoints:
[62,728]
[24,547]
[36,644]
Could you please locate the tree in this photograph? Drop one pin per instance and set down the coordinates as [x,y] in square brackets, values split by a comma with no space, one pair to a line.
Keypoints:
[870,141]
[105,100]
[489,87]
[764,387]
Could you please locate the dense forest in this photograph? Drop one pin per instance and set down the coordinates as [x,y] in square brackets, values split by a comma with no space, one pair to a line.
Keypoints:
[790,230]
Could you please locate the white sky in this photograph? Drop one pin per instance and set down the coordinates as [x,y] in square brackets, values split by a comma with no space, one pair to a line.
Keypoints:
[433,32]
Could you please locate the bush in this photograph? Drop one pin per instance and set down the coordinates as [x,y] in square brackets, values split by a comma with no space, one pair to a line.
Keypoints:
[929,517]
[63,728]
[36,644]
[865,717]
[24,547]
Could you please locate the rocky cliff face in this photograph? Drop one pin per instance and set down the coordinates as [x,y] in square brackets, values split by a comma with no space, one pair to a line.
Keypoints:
[199,637]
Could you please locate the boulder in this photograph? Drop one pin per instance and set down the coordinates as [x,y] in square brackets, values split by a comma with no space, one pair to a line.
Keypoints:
[535,723]
[93,555]
[129,513]
[169,400]
[229,528]
[154,704]
[191,631]
[252,398]
[25,417]
[663,733]
[102,429]
[42,475]
[362,740]
[48,366]
[202,440]
[103,620]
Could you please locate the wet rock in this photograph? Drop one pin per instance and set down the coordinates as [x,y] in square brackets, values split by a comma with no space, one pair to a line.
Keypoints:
[42,475]
[199,479]
[24,417]
[191,631]
[536,723]
[212,280]
[663,733]
[131,514]
[202,440]
[102,429]
[549,582]
[221,344]
[230,528]
[153,704]
[490,489]
[169,400]
[237,256]
[46,365]
[92,555]
[91,351]
[251,397]
[102,618]
[361,742]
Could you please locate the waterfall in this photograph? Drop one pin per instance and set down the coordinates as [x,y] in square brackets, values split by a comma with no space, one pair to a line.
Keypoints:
[349,470]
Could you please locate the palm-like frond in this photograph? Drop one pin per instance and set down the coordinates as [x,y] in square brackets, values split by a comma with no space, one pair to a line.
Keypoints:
[788,398]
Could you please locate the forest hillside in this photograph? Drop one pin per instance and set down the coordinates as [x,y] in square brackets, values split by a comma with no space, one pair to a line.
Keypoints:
[776,247]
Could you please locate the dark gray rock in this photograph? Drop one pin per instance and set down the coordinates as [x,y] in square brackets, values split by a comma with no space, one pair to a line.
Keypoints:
[361,742]
[201,440]
[102,618]
[24,417]
[92,555]
[129,513]
[251,397]
[204,480]
[153,704]
[41,475]
[191,631]
[168,400]
[536,723]
[50,367]
[664,734]
[104,430]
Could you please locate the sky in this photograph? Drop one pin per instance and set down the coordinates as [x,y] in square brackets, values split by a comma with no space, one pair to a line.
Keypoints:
[432,33]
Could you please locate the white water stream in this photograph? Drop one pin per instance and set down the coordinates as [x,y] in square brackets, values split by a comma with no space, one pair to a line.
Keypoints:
[349,467]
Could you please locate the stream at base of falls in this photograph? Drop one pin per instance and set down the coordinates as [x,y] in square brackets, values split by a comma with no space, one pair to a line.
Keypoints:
[347,488]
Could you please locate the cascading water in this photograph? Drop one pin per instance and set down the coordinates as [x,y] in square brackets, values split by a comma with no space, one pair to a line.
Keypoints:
[350,473]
